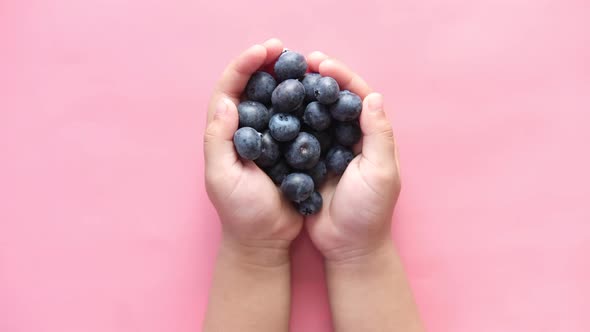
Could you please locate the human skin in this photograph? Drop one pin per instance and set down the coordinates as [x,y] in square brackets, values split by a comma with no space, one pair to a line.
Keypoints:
[251,280]
[367,285]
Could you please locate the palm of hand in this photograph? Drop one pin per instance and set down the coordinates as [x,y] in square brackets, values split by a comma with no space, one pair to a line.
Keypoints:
[249,204]
[357,210]
[252,207]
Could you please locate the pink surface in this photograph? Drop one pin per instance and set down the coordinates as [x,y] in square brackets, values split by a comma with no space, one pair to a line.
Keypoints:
[104,220]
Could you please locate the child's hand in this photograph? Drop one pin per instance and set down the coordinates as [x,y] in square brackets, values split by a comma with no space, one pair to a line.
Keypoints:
[356,215]
[255,216]
[370,293]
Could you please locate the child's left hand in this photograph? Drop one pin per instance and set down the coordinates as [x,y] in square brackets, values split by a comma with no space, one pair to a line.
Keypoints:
[355,220]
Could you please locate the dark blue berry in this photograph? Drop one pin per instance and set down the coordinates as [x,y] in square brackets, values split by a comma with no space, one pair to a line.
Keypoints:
[338,158]
[248,143]
[312,205]
[309,82]
[348,106]
[304,152]
[297,187]
[284,127]
[326,90]
[299,111]
[347,133]
[271,112]
[318,173]
[290,65]
[253,114]
[278,172]
[270,151]
[260,87]
[317,116]
[324,138]
[288,96]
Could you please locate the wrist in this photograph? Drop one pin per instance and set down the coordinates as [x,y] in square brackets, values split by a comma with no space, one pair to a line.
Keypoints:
[355,251]
[374,292]
[368,258]
[255,253]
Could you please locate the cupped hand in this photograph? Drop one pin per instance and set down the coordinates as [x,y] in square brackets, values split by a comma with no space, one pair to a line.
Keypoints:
[253,212]
[355,219]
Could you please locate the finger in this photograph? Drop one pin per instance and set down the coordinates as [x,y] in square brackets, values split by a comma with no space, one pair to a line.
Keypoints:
[346,78]
[219,148]
[236,75]
[378,142]
[274,48]
[314,59]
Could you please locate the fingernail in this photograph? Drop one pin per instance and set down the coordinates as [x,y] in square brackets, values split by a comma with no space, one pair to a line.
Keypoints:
[375,102]
[221,108]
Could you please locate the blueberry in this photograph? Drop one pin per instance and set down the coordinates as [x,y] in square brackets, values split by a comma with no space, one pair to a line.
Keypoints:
[299,111]
[312,205]
[270,151]
[317,116]
[324,138]
[297,187]
[283,146]
[290,65]
[309,82]
[278,172]
[271,112]
[348,106]
[305,127]
[326,90]
[338,158]
[248,143]
[288,96]
[260,87]
[318,173]
[284,127]
[253,114]
[304,152]
[347,133]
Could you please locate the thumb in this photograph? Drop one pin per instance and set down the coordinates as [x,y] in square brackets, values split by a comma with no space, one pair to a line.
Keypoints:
[219,147]
[378,145]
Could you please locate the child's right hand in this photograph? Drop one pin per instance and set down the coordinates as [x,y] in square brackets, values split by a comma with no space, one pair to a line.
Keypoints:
[258,222]
[355,220]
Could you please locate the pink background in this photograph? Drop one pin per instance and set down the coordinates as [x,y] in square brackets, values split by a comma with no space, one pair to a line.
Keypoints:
[104,220]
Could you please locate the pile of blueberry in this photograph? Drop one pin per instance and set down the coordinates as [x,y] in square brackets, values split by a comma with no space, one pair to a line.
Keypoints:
[297,127]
